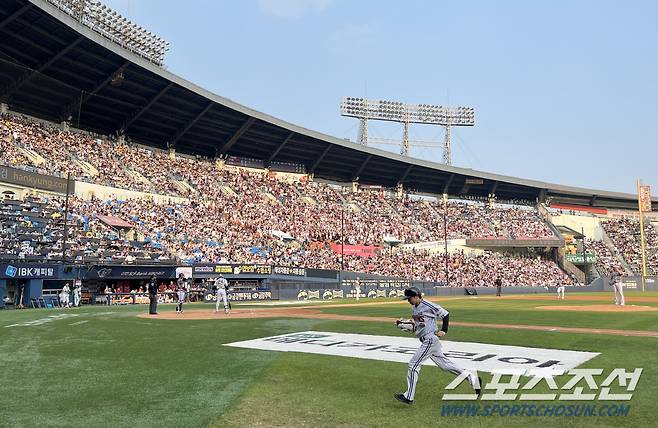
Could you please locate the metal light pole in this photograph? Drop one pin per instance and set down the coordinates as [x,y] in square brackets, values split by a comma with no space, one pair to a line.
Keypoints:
[582,232]
[406,114]
[66,214]
[445,236]
[342,238]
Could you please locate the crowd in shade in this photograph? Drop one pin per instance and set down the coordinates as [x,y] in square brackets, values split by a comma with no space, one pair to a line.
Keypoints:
[238,215]
[33,229]
[607,262]
[625,235]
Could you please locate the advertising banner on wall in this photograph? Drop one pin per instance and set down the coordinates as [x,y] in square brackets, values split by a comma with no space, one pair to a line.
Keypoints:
[20,177]
[289,271]
[240,296]
[19,271]
[131,272]
[246,269]
[355,250]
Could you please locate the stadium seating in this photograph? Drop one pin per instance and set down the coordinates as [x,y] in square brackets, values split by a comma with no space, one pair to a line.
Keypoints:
[625,234]
[240,215]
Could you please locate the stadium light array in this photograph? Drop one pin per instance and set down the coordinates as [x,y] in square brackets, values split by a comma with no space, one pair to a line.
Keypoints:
[116,28]
[395,111]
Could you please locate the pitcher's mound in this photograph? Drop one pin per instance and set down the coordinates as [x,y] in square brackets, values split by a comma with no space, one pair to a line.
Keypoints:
[601,308]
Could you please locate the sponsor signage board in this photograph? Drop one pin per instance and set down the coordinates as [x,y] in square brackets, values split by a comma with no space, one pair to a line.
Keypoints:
[20,177]
[28,271]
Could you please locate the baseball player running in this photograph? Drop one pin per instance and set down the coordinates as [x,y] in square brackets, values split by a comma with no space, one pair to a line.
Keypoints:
[221,285]
[424,315]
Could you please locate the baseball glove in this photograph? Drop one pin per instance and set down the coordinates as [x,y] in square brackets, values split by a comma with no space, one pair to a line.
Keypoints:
[406,325]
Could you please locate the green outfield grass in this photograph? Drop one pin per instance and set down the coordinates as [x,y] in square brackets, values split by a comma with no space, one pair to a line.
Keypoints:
[523,311]
[107,367]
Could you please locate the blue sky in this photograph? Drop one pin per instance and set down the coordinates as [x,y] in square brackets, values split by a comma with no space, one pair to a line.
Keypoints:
[565,92]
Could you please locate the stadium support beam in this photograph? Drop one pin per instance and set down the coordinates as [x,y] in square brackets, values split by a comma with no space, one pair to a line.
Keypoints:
[143,110]
[279,148]
[542,195]
[593,200]
[15,15]
[27,76]
[361,168]
[190,124]
[494,187]
[236,136]
[319,159]
[71,105]
[405,174]
[448,183]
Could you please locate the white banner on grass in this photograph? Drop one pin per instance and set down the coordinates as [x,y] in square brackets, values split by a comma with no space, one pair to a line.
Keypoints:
[470,355]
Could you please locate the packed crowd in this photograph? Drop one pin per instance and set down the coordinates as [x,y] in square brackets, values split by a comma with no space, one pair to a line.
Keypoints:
[607,262]
[466,270]
[33,230]
[180,232]
[368,216]
[625,234]
[240,215]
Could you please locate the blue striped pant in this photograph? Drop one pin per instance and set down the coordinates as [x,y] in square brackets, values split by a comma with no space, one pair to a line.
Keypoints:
[431,348]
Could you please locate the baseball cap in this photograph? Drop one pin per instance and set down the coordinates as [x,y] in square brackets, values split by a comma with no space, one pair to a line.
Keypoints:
[411,292]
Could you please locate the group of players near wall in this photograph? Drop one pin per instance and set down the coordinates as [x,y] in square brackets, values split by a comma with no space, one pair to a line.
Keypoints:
[220,290]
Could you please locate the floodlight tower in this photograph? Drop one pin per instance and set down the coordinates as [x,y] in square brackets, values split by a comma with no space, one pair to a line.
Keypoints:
[395,111]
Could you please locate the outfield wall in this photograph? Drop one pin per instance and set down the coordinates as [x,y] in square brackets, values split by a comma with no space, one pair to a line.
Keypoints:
[302,290]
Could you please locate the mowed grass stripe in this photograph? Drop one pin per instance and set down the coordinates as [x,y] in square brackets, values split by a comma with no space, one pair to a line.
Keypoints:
[124,371]
[328,391]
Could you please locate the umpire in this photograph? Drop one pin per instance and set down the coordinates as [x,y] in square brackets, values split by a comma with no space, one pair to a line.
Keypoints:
[153,296]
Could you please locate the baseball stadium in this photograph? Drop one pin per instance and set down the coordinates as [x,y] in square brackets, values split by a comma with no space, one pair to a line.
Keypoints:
[169,257]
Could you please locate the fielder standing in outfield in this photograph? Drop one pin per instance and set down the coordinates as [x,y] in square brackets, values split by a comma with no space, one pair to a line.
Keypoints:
[425,315]
[221,287]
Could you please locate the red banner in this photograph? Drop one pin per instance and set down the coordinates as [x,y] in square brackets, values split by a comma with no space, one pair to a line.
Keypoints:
[355,250]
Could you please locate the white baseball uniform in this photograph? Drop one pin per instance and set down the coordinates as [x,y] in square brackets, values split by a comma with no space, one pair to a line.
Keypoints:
[222,285]
[560,292]
[64,296]
[425,316]
[77,293]
[618,287]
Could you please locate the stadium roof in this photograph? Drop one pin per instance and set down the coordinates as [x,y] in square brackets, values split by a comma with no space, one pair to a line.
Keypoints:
[51,66]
